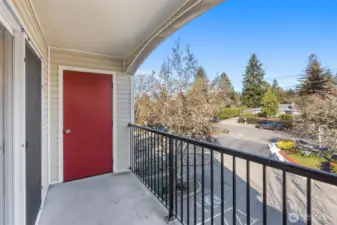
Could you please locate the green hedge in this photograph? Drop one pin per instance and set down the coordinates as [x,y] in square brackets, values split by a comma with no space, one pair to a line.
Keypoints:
[227,113]
[247,114]
[286,117]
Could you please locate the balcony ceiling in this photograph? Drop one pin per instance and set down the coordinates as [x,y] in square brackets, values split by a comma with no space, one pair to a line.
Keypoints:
[128,29]
[111,27]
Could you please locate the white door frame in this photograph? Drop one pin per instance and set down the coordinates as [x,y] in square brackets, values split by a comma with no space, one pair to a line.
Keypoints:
[2,120]
[14,125]
[61,69]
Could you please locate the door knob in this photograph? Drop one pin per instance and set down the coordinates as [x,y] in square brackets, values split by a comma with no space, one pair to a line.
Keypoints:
[67,131]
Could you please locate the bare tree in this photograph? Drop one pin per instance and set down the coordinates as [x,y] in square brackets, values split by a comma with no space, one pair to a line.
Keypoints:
[318,119]
[172,98]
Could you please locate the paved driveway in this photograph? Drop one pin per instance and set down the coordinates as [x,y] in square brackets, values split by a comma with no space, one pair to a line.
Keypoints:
[251,133]
[239,143]
[247,138]
[324,198]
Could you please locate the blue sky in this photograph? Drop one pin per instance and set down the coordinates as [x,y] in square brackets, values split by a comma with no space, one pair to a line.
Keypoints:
[281,32]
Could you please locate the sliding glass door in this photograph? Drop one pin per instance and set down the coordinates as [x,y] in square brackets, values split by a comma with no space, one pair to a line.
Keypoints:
[6,50]
[33,135]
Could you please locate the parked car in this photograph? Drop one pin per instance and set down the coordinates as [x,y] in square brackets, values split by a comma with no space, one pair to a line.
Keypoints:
[270,125]
[158,127]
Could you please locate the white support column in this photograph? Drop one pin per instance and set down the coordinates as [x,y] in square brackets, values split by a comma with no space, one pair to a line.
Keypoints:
[132,116]
[19,134]
[8,128]
[132,99]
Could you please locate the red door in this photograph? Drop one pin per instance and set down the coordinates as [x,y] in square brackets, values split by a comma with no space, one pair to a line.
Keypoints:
[87,124]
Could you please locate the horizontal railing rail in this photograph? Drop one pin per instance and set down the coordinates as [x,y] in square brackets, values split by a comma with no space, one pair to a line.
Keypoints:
[202,183]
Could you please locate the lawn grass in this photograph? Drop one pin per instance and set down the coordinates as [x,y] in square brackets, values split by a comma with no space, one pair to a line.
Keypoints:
[313,162]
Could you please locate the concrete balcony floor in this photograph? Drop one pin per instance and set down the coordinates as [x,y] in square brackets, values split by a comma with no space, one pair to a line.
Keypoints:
[109,199]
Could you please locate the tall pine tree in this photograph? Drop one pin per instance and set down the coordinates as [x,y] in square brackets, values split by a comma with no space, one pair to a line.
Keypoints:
[315,79]
[270,103]
[226,82]
[254,87]
[275,85]
[200,74]
[201,81]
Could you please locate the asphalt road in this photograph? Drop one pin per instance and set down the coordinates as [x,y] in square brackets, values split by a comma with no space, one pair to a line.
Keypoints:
[249,132]
[196,208]
[252,140]
[240,144]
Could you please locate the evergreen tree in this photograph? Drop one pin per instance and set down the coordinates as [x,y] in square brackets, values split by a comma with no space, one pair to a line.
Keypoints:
[280,93]
[222,83]
[200,74]
[335,79]
[315,79]
[201,81]
[270,103]
[254,87]
[275,85]
[330,80]
[225,88]
[226,82]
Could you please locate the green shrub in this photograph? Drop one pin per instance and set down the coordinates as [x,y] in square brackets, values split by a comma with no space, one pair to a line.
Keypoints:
[252,120]
[286,144]
[286,117]
[287,123]
[227,113]
[247,114]
[261,114]
[243,108]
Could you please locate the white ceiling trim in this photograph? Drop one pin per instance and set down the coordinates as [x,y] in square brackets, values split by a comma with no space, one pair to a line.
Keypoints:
[135,54]
[153,35]
[90,53]
[36,18]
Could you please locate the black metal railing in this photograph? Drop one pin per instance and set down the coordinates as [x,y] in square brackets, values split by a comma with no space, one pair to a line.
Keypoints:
[201,183]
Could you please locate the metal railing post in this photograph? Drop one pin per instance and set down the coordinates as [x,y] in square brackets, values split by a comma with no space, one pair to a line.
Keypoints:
[166,190]
[171,181]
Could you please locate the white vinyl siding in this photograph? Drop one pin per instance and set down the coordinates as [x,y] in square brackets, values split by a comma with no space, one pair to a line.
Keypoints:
[59,57]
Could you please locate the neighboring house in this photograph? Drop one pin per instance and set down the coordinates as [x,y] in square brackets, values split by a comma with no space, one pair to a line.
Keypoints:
[283,109]
[66,77]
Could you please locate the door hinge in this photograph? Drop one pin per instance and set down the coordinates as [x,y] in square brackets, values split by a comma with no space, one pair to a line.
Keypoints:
[27,144]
